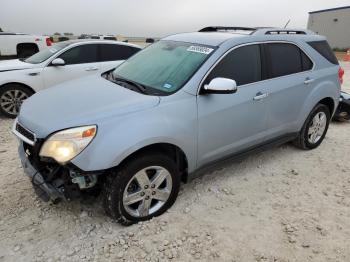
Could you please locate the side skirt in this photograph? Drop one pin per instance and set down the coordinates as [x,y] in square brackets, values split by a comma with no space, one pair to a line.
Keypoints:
[241,155]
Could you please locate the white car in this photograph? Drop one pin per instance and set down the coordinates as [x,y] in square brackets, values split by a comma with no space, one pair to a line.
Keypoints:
[20,45]
[62,62]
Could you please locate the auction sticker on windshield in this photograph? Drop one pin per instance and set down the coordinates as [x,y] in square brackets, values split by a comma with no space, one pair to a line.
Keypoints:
[200,49]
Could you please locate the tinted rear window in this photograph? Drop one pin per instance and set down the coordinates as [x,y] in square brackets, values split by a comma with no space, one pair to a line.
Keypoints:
[307,63]
[325,50]
[80,55]
[109,52]
[284,59]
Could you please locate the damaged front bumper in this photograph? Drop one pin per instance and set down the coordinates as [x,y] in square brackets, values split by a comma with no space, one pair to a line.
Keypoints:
[45,190]
[51,181]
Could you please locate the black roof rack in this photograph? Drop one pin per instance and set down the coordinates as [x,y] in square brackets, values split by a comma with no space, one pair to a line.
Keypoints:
[285,31]
[226,28]
[256,30]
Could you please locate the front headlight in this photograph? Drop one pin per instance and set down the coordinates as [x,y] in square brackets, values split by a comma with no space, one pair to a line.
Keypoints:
[63,146]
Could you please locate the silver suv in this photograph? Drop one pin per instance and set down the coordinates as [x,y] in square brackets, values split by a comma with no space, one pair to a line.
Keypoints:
[174,109]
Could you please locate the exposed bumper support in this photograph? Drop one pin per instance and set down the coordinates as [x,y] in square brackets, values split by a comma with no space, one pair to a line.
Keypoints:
[46,191]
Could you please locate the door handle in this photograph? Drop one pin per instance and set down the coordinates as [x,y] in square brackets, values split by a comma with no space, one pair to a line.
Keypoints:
[34,74]
[308,81]
[260,96]
[91,69]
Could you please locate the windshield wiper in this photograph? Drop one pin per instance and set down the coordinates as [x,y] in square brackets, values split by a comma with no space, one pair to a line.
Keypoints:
[140,87]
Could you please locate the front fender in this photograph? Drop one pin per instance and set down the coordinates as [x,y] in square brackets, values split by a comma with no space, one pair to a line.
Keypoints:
[28,77]
[170,122]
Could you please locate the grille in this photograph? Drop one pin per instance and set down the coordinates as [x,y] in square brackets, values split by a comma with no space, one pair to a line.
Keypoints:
[24,132]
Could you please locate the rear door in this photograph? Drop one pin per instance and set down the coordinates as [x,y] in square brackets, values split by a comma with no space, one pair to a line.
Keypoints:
[290,80]
[80,61]
[111,55]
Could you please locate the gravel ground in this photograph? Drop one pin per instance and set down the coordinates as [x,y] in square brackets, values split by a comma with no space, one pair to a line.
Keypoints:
[280,205]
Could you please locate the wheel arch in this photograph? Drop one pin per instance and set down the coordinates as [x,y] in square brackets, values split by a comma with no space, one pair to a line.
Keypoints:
[22,46]
[18,83]
[330,103]
[171,150]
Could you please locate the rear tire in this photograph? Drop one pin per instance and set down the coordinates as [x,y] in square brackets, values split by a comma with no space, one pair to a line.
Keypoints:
[11,99]
[144,187]
[314,129]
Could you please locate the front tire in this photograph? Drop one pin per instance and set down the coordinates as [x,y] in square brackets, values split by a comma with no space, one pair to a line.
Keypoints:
[144,187]
[314,129]
[11,99]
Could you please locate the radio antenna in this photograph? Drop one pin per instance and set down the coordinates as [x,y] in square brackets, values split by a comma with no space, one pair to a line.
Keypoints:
[287,24]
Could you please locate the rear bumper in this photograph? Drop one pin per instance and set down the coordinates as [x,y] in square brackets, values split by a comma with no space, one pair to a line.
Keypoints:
[46,191]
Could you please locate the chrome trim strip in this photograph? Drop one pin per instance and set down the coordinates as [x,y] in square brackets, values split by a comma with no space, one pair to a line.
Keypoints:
[257,43]
[22,137]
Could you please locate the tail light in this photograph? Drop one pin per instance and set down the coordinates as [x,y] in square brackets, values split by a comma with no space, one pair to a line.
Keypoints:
[48,41]
[341,73]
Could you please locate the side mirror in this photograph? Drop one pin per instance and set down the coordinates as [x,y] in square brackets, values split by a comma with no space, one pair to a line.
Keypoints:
[221,85]
[58,62]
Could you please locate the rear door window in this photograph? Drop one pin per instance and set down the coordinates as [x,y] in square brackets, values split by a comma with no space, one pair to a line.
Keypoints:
[285,59]
[80,55]
[323,48]
[242,65]
[111,52]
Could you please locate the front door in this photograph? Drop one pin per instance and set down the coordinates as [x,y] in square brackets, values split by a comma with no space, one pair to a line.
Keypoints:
[79,61]
[230,123]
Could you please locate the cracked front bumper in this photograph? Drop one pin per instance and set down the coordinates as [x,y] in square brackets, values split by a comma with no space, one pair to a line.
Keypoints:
[46,191]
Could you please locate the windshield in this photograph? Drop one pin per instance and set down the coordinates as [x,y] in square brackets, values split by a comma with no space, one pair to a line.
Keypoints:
[164,66]
[45,54]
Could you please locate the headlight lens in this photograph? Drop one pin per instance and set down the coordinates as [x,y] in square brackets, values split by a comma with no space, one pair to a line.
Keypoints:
[67,144]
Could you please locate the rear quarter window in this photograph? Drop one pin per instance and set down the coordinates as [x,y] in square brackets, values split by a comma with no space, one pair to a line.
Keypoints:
[323,48]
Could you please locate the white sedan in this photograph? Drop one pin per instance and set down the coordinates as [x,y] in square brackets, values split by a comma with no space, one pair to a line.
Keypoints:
[62,62]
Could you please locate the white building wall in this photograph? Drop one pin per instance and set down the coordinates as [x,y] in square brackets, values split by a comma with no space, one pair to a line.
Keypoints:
[334,24]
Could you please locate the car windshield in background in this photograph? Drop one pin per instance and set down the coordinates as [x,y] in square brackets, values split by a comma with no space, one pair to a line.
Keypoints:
[164,66]
[45,54]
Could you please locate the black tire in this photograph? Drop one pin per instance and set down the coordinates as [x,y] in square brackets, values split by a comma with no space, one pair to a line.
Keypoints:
[12,87]
[302,141]
[116,183]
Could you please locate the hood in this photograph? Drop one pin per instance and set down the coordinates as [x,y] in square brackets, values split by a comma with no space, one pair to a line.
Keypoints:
[14,64]
[85,101]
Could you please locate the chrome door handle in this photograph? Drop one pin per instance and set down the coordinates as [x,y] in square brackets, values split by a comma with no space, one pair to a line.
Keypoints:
[260,96]
[308,81]
[91,69]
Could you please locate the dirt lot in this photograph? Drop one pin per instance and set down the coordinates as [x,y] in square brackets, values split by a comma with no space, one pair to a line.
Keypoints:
[281,205]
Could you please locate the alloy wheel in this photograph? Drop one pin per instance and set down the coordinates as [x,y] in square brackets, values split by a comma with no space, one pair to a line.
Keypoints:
[147,191]
[11,101]
[317,127]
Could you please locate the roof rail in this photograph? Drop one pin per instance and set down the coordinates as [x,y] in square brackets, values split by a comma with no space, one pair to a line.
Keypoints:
[226,28]
[282,31]
[285,31]
[258,30]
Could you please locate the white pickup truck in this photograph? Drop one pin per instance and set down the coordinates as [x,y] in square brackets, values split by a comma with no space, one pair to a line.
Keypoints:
[18,45]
